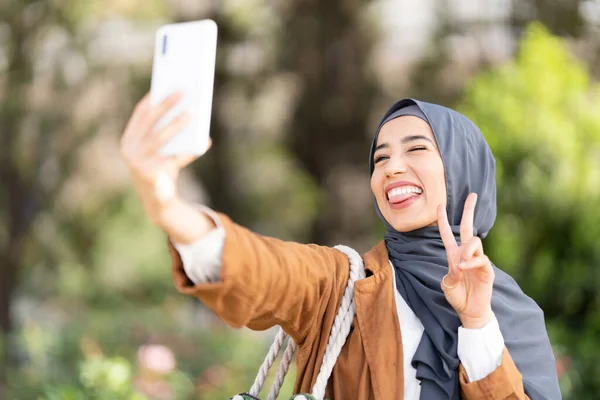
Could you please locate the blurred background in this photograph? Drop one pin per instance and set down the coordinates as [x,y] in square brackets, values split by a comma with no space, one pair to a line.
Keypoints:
[87,305]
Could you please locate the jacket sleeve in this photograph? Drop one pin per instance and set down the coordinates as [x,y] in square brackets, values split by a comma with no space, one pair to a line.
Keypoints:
[267,281]
[505,383]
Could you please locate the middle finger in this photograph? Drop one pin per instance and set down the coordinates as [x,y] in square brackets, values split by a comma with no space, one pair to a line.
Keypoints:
[159,111]
[151,143]
[466,224]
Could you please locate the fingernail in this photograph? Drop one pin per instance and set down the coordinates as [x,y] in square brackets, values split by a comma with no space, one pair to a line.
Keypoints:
[462,264]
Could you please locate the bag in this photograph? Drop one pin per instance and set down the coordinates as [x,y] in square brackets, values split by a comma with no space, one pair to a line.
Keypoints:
[337,338]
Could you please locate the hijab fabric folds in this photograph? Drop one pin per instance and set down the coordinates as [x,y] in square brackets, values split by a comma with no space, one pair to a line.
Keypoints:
[420,262]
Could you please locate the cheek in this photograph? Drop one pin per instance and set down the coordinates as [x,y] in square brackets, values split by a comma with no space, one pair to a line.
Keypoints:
[376,184]
[435,180]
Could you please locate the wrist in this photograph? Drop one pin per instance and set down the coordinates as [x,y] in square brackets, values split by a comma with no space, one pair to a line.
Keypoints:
[166,217]
[469,322]
[183,223]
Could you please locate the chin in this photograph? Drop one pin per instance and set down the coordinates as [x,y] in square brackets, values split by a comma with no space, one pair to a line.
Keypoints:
[404,225]
[407,227]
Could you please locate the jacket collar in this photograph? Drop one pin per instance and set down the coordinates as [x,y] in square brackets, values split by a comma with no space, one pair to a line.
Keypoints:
[377,258]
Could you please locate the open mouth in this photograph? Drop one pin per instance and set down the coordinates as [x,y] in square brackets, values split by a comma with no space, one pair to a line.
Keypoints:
[403,196]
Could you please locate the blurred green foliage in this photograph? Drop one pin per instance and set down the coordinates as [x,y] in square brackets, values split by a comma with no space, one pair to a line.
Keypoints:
[541,116]
[85,344]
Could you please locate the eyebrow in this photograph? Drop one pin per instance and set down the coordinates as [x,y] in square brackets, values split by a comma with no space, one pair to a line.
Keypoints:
[410,138]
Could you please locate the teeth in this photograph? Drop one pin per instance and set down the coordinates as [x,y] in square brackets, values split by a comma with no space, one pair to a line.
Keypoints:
[404,190]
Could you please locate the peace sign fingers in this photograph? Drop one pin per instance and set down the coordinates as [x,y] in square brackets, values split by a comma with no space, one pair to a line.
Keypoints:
[469,283]
[466,224]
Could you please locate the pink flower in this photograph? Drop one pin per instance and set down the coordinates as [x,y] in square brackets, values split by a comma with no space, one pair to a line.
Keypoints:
[156,358]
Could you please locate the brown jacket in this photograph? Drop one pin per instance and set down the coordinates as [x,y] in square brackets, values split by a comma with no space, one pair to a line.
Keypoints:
[267,282]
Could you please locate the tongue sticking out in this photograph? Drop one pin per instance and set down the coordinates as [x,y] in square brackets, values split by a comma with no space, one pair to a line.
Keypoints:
[399,198]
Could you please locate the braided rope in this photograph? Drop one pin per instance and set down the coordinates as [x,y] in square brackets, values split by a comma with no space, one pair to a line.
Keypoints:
[339,332]
[347,309]
[267,363]
[283,369]
[342,322]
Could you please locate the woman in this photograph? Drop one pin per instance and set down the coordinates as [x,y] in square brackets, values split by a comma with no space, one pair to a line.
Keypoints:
[434,318]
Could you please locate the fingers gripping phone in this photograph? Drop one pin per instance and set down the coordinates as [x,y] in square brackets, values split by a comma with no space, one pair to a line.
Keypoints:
[184,61]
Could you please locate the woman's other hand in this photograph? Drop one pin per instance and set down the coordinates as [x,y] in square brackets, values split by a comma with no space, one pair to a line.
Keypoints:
[469,282]
[155,176]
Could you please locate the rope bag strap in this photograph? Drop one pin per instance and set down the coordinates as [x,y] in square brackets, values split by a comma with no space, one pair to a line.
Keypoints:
[337,338]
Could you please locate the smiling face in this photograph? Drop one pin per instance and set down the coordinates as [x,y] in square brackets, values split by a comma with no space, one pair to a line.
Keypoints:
[408,179]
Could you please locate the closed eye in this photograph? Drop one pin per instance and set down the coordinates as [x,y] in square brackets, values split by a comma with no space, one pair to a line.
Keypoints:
[380,158]
[417,148]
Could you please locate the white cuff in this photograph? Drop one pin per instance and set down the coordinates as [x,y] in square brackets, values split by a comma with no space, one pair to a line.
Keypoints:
[480,350]
[202,258]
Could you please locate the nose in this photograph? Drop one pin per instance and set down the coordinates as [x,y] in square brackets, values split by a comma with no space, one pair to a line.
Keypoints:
[395,166]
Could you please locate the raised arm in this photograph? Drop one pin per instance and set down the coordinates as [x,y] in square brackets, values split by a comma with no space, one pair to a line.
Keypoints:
[267,281]
[154,176]
[264,281]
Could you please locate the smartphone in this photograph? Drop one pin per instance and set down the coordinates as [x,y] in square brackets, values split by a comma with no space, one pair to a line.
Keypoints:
[184,61]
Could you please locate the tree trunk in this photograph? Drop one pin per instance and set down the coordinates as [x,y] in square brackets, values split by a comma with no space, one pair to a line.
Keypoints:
[326,46]
[8,283]
[16,190]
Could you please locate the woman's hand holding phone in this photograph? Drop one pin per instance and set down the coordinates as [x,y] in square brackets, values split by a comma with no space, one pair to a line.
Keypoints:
[155,176]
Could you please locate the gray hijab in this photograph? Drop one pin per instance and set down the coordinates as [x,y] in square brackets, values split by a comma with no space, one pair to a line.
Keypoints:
[420,263]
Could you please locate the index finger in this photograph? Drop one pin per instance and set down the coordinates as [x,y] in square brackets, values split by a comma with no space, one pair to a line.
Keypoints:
[445,229]
[139,113]
[466,223]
